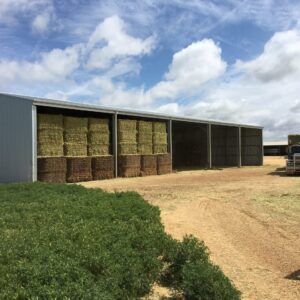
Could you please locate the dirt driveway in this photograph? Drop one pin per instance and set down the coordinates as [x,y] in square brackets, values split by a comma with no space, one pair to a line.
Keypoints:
[249,218]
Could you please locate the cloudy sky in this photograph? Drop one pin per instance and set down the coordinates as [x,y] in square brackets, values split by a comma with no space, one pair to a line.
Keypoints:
[233,60]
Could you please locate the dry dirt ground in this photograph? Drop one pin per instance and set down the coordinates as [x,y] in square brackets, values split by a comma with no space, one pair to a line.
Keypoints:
[249,218]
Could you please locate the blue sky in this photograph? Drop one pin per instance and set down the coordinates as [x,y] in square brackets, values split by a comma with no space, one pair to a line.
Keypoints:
[233,60]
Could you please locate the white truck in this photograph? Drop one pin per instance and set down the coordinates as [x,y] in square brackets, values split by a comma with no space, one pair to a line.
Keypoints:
[293,160]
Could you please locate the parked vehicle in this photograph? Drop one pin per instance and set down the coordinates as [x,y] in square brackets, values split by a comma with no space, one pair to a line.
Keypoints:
[293,160]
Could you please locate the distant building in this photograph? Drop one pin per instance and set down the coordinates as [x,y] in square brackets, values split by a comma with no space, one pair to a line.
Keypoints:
[276,148]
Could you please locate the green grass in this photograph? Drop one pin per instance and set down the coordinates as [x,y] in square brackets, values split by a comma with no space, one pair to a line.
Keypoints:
[68,242]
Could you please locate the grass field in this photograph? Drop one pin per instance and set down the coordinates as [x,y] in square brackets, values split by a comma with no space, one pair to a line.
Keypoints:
[68,242]
[249,218]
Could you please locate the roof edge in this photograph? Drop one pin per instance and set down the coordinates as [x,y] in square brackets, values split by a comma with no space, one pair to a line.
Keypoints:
[130,112]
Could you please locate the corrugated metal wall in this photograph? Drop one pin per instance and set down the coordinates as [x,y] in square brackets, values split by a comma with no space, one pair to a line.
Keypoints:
[252,147]
[225,151]
[16,141]
[189,145]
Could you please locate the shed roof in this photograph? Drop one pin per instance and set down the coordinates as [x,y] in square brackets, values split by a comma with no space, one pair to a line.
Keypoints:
[129,112]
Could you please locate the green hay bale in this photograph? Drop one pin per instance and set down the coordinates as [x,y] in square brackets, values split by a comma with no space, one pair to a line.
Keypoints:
[127,148]
[98,150]
[50,137]
[74,149]
[75,125]
[46,121]
[98,125]
[96,137]
[79,138]
[160,127]
[160,138]
[144,126]
[144,137]
[160,148]
[128,137]
[145,148]
[48,150]
[127,125]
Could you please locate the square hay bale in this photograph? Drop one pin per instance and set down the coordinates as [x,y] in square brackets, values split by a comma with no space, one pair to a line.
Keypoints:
[164,164]
[52,177]
[144,126]
[46,150]
[98,150]
[79,169]
[52,169]
[52,164]
[145,148]
[129,165]
[160,138]
[160,127]
[49,135]
[128,137]
[145,137]
[160,148]
[148,165]
[98,125]
[75,124]
[103,163]
[127,149]
[127,125]
[73,149]
[97,137]
[49,122]
[103,167]
[76,138]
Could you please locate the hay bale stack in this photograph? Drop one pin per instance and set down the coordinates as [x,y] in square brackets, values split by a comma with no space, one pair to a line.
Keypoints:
[75,136]
[148,165]
[145,137]
[103,167]
[98,137]
[79,169]
[127,137]
[52,169]
[129,165]
[50,139]
[164,164]
[160,138]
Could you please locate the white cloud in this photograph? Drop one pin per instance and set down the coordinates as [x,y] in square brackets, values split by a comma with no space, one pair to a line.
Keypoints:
[10,10]
[109,41]
[191,67]
[53,66]
[41,22]
[280,59]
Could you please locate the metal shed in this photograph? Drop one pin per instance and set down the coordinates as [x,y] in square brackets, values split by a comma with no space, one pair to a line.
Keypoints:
[192,143]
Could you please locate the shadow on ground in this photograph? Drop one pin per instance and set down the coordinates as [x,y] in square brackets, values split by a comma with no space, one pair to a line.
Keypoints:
[294,275]
[278,172]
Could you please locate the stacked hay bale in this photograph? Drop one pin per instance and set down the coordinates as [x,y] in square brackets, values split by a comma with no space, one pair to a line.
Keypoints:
[79,166]
[50,135]
[127,133]
[144,137]
[52,169]
[160,138]
[98,137]
[75,136]
[79,169]
[129,165]
[51,165]
[103,167]
[148,165]
[164,164]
